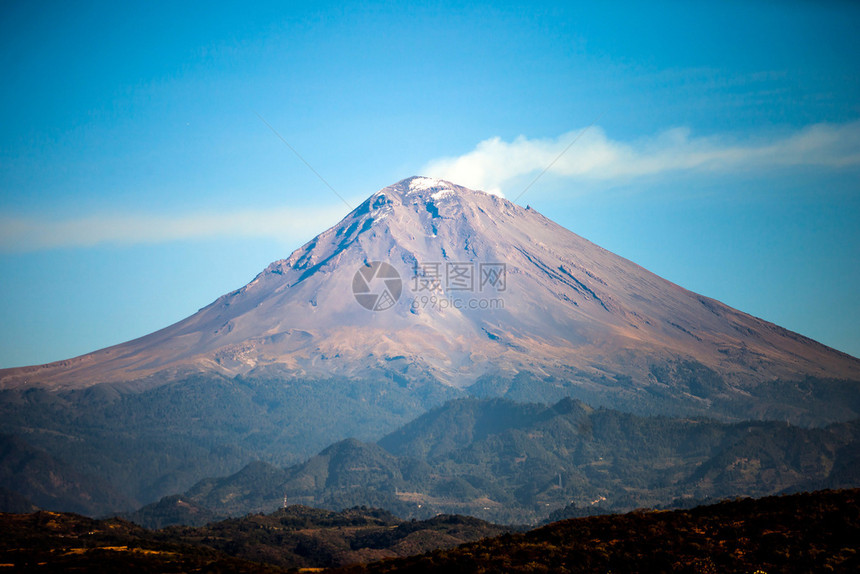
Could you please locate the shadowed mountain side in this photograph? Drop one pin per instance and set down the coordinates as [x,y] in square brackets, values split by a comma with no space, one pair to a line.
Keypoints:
[146,445]
[31,478]
[515,463]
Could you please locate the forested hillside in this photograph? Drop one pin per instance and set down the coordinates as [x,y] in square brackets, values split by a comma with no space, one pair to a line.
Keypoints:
[514,463]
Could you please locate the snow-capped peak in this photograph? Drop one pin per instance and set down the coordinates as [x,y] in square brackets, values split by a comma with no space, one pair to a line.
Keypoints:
[425,183]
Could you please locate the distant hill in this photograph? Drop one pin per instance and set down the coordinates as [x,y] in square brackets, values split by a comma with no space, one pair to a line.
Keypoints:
[521,463]
[31,478]
[142,446]
[11,501]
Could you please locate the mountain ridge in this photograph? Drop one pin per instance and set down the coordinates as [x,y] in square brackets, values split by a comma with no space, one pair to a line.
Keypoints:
[570,309]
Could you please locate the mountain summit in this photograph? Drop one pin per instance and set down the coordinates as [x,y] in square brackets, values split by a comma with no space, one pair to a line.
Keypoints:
[428,280]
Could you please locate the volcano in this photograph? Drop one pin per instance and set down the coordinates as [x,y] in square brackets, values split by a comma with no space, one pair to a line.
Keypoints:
[426,292]
[428,280]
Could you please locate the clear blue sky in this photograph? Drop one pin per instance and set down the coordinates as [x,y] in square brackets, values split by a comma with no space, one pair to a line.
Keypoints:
[138,182]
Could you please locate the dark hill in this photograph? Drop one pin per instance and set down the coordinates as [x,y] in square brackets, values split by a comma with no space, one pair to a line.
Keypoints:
[815,532]
[292,537]
[810,532]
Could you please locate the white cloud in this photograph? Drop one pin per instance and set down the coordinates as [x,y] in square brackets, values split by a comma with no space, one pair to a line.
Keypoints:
[492,166]
[25,234]
[495,163]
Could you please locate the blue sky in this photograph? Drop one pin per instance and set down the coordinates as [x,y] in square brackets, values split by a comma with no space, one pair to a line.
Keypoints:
[719,145]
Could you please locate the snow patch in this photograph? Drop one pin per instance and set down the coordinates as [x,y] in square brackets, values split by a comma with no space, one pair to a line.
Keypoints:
[425,183]
[380,211]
